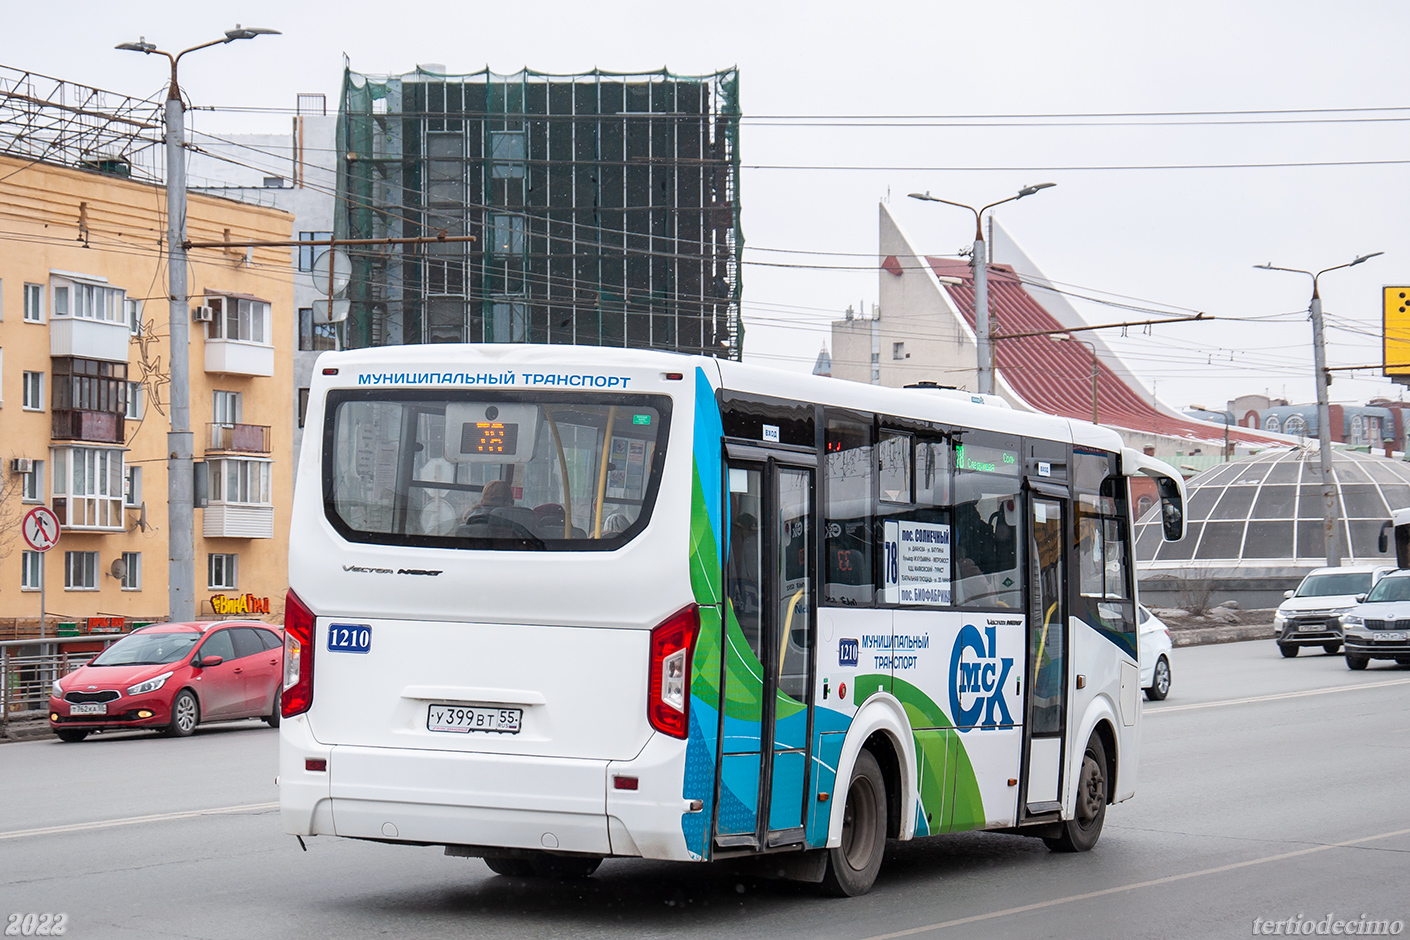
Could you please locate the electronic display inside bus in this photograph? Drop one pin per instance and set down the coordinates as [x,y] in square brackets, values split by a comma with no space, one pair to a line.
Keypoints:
[489,437]
[977,458]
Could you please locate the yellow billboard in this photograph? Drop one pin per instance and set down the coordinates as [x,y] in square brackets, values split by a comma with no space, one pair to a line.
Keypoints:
[1395,330]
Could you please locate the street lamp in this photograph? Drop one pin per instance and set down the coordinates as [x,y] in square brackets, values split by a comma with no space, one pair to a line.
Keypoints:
[1069,338]
[181,536]
[983,328]
[1324,418]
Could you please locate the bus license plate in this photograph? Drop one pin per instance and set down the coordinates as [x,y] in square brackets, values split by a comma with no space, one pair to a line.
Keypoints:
[1390,637]
[462,719]
[88,708]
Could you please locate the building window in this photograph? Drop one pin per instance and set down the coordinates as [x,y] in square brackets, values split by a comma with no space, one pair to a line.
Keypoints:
[132,313]
[80,571]
[303,405]
[132,488]
[239,480]
[134,401]
[88,483]
[89,301]
[33,391]
[315,337]
[1271,423]
[223,569]
[32,483]
[508,150]
[898,350]
[225,407]
[307,253]
[1358,430]
[1294,424]
[132,571]
[34,303]
[90,385]
[31,570]
[507,234]
[238,319]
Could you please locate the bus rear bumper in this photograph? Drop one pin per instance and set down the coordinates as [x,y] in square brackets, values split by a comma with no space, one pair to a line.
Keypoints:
[485,801]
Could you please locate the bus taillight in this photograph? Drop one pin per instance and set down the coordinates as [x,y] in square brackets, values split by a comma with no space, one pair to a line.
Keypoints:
[669,692]
[298,658]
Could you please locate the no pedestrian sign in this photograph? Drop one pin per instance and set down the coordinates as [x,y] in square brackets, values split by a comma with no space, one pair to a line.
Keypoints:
[41,528]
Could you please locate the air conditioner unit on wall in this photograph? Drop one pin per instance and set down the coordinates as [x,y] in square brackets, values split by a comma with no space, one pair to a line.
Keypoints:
[22,465]
[202,314]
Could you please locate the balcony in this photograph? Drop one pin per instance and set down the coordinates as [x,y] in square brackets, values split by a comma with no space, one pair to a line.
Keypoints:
[238,521]
[237,438]
[88,339]
[105,426]
[238,357]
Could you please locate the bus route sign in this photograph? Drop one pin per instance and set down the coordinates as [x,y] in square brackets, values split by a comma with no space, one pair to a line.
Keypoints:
[41,528]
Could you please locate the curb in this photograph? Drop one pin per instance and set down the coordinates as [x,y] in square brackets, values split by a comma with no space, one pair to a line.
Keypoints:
[1221,633]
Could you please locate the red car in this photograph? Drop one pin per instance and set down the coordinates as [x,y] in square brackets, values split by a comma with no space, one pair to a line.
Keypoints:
[173,676]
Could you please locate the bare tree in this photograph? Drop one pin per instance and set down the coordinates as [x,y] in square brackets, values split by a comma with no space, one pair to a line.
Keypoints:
[11,510]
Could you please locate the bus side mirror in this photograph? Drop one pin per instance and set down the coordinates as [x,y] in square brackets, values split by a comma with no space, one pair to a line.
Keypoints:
[1382,543]
[1172,509]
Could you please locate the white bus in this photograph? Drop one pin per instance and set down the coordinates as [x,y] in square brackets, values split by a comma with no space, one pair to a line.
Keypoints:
[551,604]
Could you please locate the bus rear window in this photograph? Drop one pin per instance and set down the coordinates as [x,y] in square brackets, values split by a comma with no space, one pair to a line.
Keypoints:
[492,470]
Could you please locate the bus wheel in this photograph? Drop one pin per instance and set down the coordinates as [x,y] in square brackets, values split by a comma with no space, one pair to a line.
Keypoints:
[852,866]
[564,867]
[511,867]
[1081,833]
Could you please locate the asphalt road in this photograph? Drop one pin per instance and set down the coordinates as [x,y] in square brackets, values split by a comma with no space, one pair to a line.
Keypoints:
[1269,788]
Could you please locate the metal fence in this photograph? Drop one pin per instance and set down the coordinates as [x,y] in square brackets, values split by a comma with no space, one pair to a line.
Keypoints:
[29,667]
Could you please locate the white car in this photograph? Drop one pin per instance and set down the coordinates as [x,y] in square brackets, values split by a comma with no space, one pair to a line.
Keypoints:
[1311,615]
[1155,647]
[1379,628]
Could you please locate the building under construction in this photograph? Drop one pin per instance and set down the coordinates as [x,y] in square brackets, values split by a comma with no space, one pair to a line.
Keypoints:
[604,207]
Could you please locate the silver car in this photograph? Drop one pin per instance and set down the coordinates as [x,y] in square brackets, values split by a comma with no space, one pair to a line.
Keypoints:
[1310,616]
[1379,628]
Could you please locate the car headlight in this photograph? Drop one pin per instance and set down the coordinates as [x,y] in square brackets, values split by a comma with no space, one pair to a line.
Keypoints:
[56,690]
[1279,617]
[1351,620]
[151,685]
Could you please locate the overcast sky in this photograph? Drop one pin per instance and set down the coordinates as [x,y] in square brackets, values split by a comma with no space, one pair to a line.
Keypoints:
[1173,238]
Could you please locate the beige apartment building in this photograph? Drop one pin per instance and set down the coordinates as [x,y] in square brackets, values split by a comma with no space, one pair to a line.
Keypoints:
[84,394]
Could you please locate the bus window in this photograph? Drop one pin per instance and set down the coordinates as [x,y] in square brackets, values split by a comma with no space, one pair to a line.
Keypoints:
[850,472]
[517,471]
[988,552]
[1103,577]
[915,533]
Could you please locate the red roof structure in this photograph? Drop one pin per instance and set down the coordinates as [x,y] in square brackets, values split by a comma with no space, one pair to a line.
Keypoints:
[1055,376]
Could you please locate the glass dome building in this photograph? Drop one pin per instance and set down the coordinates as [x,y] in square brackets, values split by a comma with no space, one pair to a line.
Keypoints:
[1255,525]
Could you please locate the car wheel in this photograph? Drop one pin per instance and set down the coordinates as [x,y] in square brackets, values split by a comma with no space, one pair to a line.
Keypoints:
[510,867]
[1081,833]
[1402,660]
[564,867]
[71,735]
[185,714]
[1331,648]
[1160,681]
[852,866]
[272,719]
[1288,650]
[1356,662]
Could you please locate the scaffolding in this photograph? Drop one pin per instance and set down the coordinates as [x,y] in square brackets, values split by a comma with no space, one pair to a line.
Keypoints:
[605,208]
[50,120]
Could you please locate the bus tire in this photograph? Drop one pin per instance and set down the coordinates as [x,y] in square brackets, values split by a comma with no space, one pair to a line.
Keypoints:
[510,867]
[852,866]
[565,867]
[1080,834]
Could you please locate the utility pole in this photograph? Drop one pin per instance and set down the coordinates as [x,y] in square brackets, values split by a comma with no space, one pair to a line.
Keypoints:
[979,261]
[1324,409]
[181,509]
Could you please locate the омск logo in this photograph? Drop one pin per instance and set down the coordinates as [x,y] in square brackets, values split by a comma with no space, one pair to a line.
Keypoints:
[977,677]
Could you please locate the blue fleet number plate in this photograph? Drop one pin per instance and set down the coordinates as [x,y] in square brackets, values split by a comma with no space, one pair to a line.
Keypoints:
[349,638]
[462,719]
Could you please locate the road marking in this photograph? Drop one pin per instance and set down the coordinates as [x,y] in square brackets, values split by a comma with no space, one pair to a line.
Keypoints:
[137,820]
[1168,879]
[1276,697]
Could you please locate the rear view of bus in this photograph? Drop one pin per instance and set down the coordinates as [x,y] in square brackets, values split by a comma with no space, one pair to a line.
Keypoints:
[465,665]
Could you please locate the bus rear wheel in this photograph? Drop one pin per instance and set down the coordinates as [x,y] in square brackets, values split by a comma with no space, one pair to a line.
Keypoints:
[1081,833]
[852,866]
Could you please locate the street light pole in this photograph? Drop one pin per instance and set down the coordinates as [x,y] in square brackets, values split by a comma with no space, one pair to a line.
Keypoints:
[181,529]
[1324,409]
[1069,338]
[979,261]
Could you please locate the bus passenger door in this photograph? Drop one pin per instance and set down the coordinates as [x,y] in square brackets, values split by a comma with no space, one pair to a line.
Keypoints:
[770,587]
[1046,698]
